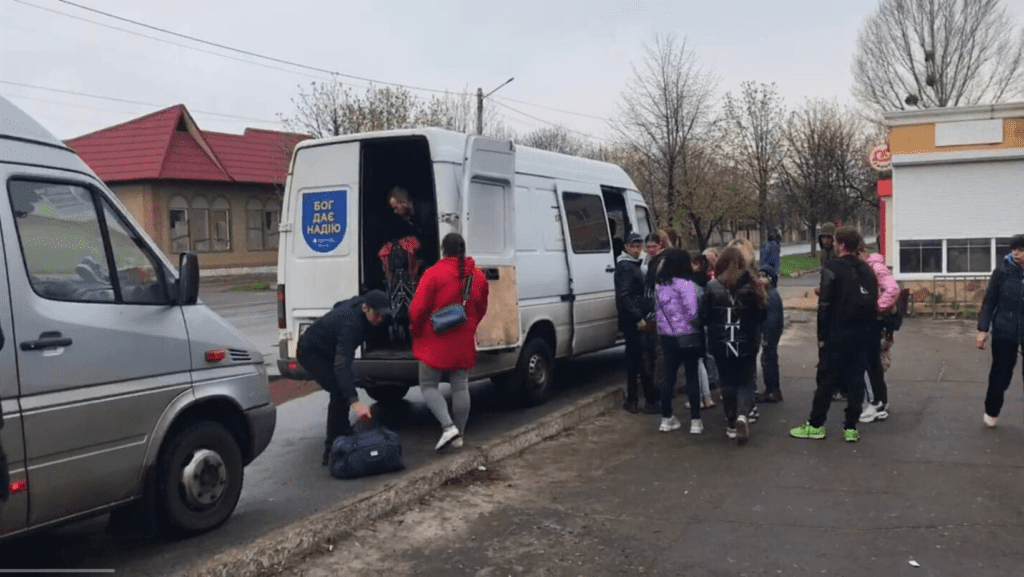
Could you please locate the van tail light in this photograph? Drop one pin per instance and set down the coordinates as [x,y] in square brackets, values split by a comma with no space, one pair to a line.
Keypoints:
[216,355]
[18,486]
[281,321]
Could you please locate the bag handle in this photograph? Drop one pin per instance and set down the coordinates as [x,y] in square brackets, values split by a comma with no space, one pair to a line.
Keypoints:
[465,292]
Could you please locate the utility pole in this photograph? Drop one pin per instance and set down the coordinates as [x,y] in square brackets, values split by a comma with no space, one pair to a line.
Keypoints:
[480,105]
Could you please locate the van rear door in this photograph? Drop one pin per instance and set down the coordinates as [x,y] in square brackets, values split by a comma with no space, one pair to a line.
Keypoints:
[591,266]
[319,264]
[488,217]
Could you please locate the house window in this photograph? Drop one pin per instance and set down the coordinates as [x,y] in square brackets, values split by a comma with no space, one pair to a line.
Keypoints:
[588,225]
[220,225]
[261,224]
[920,256]
[968,255]
[179,225]
[1002,249]
[199,224]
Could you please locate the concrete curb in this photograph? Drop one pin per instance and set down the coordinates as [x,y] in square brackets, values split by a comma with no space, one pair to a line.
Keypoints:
[313,535]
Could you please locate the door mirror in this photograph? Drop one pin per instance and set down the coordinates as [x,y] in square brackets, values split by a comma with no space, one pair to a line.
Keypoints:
[188,279]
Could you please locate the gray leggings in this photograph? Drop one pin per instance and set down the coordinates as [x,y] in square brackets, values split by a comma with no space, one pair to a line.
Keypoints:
[459,379]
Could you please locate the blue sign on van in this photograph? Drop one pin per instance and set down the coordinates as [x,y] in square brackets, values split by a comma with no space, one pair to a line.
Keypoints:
[324,216]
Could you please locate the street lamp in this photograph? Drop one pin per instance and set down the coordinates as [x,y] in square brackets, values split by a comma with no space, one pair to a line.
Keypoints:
[480,105]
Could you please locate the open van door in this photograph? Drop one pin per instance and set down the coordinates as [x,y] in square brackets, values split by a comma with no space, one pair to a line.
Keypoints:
[488,225]
[591,265]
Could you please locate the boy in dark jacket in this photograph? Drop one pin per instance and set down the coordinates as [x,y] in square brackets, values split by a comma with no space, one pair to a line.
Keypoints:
[326,351]
[771,332]
[1003,313]
[846,316]
[634,308]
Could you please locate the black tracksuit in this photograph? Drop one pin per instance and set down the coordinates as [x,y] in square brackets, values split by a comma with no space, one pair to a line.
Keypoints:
[633,306]
[1003,313]
[326,351]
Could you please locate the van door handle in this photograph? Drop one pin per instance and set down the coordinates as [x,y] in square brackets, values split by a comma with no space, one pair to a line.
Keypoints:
[609,268]
[47,340]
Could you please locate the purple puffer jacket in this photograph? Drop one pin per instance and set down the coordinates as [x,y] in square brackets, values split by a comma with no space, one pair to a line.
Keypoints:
[677,308]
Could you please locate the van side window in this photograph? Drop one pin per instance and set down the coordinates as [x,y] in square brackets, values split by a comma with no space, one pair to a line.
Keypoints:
[588,225]
[62,242]
[137,274]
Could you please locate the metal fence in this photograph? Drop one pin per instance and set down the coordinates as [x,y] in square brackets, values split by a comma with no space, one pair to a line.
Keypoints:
[950,296]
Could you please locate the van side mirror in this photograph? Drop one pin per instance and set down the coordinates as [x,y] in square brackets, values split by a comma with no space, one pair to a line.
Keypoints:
[188,279]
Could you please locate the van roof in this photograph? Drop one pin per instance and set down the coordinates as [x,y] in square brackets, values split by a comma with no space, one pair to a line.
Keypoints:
[450,146]
[15,123]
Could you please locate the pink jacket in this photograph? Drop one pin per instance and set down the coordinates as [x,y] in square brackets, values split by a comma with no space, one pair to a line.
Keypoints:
[888,290]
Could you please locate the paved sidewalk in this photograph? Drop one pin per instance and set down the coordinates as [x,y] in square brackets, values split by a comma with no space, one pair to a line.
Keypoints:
[930,491]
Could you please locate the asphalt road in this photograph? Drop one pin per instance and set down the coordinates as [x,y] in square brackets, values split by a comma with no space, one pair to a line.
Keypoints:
[286,483]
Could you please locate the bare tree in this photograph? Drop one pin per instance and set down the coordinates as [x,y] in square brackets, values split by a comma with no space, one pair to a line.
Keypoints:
[453,111]
[754,126]
[320,111]
[825,173]
[665,107]
[331,109]
[935,53]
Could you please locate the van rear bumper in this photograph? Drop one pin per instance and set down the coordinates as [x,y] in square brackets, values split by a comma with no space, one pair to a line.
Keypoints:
[262,422]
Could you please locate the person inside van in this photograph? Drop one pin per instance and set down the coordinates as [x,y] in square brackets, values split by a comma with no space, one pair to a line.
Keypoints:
[326,351]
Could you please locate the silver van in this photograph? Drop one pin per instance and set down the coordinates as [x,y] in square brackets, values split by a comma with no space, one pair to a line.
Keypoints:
[120,391]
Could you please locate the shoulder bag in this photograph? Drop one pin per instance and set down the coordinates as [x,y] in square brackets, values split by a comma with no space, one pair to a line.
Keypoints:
[453,316]
[371,452]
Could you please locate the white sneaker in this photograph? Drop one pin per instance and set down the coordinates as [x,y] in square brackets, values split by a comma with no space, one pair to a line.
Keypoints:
[450,434]
[696,426]
[990,422]
[669,424]
[457,442]
[874,412]
[742,430]
[730,432]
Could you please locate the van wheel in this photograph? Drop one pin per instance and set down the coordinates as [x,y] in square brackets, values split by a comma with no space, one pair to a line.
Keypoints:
[534,374]
[387,395]
[198,479]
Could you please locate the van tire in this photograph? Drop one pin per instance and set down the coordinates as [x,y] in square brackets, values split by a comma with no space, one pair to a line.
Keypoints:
[210,446]
[535,372]
[387,394]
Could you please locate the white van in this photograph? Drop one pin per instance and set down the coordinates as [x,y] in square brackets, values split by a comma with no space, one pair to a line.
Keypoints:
[536,222]
[120,392]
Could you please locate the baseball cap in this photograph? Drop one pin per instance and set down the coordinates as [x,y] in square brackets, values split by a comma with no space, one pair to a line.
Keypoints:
[378,301]
[634,238]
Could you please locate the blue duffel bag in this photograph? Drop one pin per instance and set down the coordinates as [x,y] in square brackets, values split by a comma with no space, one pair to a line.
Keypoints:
[370,452]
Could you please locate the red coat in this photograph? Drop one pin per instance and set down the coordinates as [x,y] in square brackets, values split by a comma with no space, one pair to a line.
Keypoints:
[439,287]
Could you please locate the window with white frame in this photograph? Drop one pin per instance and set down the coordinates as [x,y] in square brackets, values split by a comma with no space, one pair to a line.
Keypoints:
[969,255]
[220,224]
[261,224]
[920,256]
[1002,249]
[179,225]
[199,224]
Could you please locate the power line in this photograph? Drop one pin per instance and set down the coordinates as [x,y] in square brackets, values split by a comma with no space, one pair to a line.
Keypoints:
[554,109]
[166,41]
[111,98]
[503,105]
[249,53]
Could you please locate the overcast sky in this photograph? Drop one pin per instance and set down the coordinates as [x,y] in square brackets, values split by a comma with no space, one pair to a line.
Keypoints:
[567,55]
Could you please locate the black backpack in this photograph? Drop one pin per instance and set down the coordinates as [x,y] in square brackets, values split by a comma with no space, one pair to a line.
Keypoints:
[858,302]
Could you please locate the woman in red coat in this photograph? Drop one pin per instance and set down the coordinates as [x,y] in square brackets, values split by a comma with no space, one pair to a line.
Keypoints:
[454,351]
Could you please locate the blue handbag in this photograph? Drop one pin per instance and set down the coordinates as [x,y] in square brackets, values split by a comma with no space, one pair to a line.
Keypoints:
[453,316]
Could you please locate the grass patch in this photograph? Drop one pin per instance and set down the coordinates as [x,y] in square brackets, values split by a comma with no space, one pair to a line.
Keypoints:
[254,286]
[797,262]
[800,262]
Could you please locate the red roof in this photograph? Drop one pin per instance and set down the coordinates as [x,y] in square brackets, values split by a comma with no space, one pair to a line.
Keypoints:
[168,145]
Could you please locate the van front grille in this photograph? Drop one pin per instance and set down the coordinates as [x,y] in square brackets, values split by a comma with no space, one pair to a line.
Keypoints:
[239,355]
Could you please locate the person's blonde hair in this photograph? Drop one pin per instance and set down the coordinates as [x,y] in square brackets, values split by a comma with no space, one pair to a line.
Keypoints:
[745,247]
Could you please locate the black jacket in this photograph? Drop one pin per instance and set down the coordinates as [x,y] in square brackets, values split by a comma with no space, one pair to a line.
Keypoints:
[732,320]
[1004,301]
[630,294]
[838,321]
[774,319]
[337,335]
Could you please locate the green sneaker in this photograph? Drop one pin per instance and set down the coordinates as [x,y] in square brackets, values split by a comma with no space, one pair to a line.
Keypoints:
[806,431]
[851,435]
